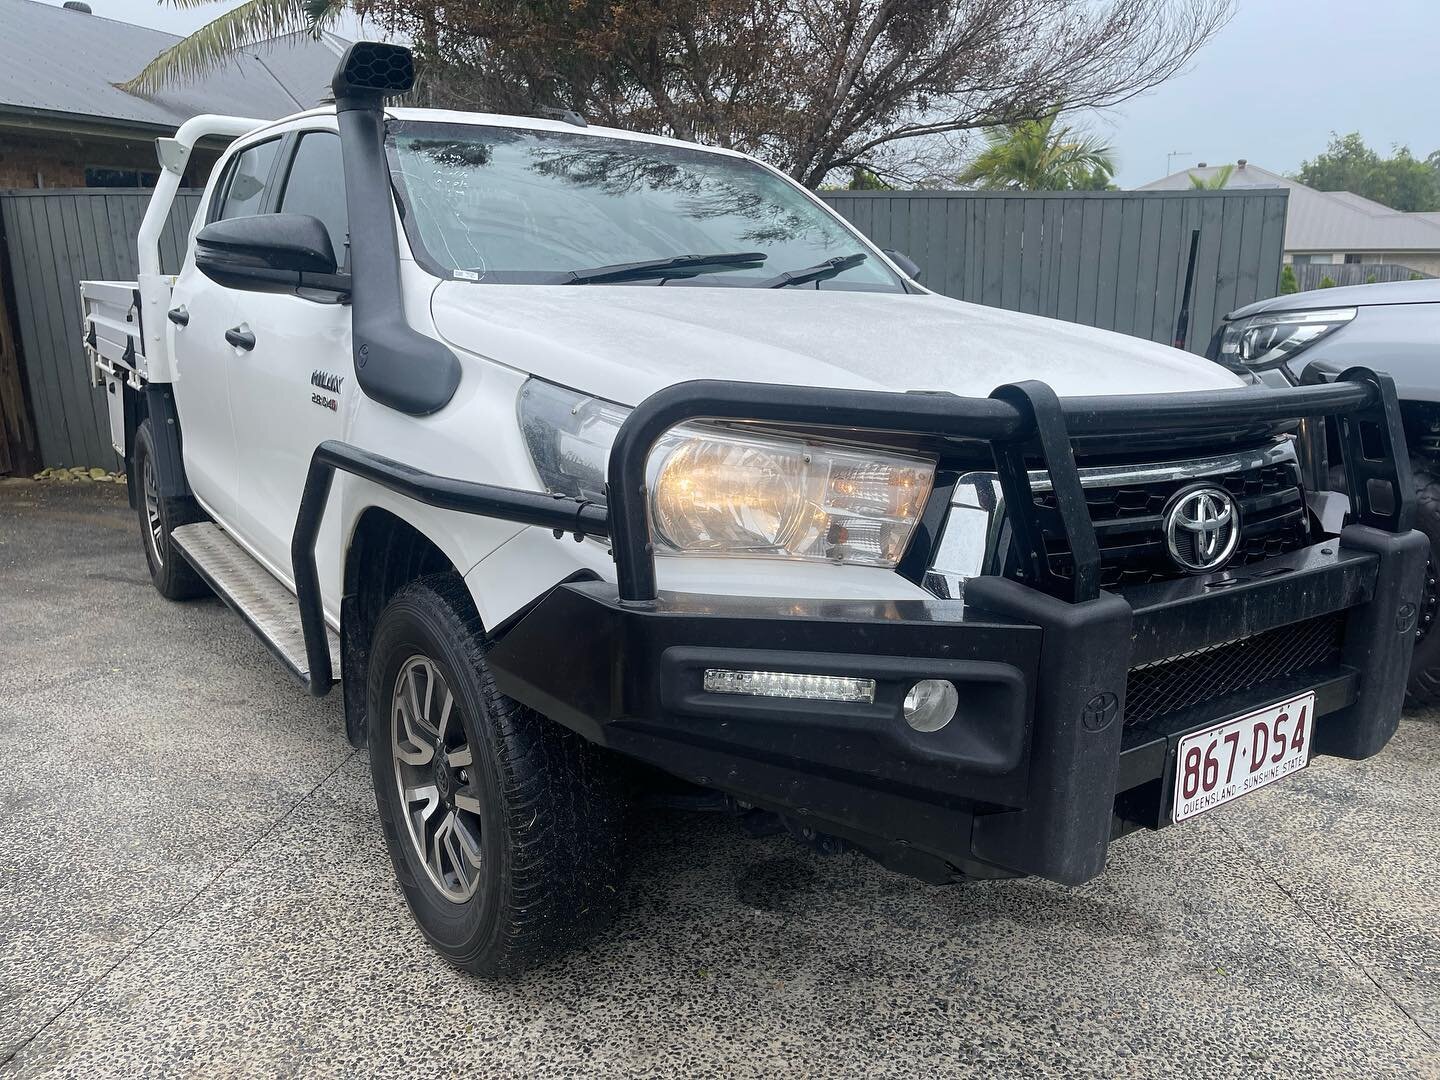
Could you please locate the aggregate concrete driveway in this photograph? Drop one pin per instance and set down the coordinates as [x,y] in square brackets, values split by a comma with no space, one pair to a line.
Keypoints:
[192,882]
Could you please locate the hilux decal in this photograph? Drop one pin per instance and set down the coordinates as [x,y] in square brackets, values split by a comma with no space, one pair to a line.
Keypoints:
[326,380]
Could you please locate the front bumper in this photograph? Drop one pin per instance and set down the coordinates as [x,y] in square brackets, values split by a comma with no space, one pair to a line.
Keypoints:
[1039,771]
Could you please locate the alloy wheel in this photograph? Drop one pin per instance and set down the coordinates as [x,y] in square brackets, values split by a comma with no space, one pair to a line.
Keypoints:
[436,778]
[155,527]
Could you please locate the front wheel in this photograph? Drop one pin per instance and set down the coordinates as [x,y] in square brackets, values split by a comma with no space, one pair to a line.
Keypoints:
[503,827]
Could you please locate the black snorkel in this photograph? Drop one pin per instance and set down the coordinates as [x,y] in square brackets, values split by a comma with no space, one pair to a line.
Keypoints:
[395,364]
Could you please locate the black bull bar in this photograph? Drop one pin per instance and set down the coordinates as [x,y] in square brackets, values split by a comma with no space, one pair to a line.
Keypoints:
[1050,654]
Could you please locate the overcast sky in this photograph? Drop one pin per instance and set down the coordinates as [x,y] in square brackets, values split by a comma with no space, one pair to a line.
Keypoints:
[1280,77]
[1270,87]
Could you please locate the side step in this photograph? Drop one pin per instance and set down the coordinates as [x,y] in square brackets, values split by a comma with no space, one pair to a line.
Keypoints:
[252,592]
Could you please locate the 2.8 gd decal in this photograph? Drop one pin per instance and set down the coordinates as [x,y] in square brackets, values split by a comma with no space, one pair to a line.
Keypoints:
[326,381]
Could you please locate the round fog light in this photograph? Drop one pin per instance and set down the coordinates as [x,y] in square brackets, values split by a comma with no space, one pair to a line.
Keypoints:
[931,704]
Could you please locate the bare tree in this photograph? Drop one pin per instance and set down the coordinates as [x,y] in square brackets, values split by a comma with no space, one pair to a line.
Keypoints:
[814,86]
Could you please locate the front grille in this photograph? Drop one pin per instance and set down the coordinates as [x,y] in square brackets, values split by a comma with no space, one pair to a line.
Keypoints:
[1127,519]
[1193,678]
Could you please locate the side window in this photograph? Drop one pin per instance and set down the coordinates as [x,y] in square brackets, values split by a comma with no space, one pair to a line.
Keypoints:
[316,186]
[245,183]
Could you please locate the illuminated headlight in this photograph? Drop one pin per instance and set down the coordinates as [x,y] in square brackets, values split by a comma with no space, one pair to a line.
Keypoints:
[1269,339]
[715,491]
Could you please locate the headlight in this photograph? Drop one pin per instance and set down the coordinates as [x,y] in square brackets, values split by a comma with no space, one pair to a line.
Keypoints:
[1268,340]
[717,492]
[714,491]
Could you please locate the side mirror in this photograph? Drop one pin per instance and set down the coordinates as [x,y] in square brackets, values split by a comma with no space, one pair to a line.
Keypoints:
[900,259]
[269,253]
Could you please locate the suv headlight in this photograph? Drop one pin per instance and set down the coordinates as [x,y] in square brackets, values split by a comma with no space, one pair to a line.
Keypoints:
[716,491]
[1269,339]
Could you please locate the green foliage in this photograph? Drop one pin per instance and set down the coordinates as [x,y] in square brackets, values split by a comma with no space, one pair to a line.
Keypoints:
[1041,155]
[1401,181]
[1214,182]
[211,45]
[818,88]
[1370,279]
[1327,282]
[1288,284]
[863,179]
[1100,179]
[1416,277]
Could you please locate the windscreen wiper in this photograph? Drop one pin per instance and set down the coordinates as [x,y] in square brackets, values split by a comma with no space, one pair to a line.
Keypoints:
[675,266]
[819,272]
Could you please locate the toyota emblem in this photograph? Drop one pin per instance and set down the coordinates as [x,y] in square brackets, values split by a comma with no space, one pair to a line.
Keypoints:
[1202,528]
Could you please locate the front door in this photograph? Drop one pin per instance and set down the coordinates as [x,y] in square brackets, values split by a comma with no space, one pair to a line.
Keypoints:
[200,314]
[296,387]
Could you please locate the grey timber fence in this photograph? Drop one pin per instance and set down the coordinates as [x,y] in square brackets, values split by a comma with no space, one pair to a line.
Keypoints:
[52,240]
[1119,260]
[1158,265]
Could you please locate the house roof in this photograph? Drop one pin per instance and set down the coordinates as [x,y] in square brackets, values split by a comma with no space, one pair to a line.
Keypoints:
[57,63]
[1325,220]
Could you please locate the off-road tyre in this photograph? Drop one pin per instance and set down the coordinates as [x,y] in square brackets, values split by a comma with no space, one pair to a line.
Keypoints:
[1423,688]
[174,578]
[544,802]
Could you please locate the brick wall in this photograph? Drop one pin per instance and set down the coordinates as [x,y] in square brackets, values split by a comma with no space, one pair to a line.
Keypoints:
[59,161]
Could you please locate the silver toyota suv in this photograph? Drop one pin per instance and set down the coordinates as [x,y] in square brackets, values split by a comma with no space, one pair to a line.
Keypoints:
[1313,336]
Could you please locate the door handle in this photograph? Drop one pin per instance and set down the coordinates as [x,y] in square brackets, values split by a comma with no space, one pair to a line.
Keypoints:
[178,315]
[241,339]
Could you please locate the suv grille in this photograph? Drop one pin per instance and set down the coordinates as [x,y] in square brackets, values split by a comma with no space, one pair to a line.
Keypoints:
[1127,522]
[1179,682]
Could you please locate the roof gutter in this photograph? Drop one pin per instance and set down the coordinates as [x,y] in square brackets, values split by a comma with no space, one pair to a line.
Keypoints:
[49,121]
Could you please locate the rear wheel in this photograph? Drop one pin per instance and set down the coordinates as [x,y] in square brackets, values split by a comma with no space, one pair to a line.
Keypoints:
[173,577]
[503,827]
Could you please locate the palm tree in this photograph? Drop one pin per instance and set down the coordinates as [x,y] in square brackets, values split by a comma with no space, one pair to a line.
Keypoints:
[1041,155]
[213,43]
[1215,181]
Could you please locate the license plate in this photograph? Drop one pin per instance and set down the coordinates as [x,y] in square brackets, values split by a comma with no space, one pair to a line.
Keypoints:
[1218,765]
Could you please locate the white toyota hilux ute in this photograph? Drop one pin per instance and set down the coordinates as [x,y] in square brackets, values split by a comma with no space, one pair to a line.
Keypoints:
[602,470]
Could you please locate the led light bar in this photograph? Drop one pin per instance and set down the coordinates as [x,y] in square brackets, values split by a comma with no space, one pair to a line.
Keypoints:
[786,684]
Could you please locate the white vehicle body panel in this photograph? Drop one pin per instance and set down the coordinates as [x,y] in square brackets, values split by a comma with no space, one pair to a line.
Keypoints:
[250,424]
[624,343]
[200,361]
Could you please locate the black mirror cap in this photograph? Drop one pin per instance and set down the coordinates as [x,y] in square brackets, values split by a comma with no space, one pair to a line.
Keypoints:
[371,71]
[296,242]
[900,259]
[267,253]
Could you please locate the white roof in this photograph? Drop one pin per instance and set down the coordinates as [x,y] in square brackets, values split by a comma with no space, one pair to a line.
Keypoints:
[541,123]
[1325,220]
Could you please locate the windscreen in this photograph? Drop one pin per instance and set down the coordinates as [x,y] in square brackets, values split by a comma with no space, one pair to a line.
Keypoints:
[507,205]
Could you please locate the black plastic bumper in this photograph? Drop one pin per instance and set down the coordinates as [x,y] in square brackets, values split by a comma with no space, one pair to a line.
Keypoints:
[1039,770]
